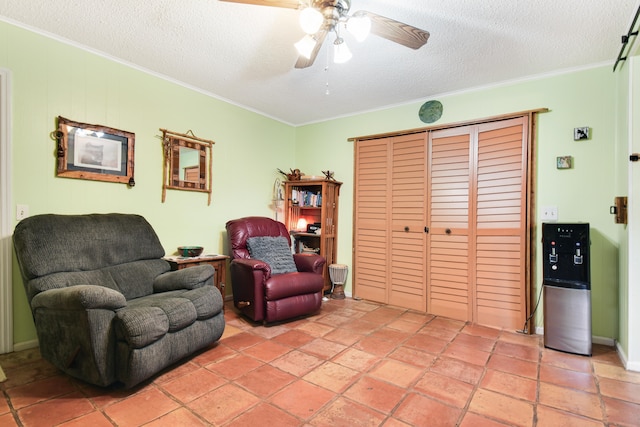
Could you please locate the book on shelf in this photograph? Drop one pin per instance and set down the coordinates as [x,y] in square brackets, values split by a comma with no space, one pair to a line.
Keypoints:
[306,198]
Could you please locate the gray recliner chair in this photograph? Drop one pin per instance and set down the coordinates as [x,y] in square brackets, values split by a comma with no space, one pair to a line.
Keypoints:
[106,307]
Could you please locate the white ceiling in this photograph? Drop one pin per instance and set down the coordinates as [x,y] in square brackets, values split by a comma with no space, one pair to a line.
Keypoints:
[244,53]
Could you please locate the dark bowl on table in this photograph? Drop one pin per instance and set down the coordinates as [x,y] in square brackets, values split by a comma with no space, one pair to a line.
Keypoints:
[190,251]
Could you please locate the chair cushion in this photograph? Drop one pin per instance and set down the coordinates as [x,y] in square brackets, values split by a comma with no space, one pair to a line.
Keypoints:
[141,326]
[284,286]
[145,320]
[274,251]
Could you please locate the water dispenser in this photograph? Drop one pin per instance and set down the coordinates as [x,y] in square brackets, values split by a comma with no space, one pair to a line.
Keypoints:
[567,287]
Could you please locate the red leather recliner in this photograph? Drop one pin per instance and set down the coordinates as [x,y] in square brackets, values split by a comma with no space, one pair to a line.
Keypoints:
[265,297]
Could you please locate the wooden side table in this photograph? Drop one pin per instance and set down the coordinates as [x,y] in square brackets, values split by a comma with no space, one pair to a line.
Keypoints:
[219,262]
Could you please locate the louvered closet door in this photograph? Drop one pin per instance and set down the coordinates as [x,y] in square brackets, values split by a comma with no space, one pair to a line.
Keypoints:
[472,264]
[371,220]
[408,219]
[449,283]
[501,224]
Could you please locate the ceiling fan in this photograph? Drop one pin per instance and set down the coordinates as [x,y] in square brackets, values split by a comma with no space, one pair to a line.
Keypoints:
[320,17]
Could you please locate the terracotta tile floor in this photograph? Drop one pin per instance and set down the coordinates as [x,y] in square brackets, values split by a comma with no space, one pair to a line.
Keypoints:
[353,364]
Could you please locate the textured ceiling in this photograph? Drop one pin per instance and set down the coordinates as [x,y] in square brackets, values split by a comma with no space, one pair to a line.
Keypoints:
[244,54]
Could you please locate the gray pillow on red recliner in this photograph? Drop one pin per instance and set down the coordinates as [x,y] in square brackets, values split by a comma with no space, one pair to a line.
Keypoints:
[275,251]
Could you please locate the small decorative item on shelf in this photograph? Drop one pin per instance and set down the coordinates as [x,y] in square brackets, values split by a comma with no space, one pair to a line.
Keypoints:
[328,175]
[302,225]
[308,250]
[314,228]
[190,251]
[295,174]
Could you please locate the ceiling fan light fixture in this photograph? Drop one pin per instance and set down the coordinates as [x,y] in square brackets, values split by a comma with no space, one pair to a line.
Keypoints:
[359,26]
[305,46]
[341,52]
[311,20]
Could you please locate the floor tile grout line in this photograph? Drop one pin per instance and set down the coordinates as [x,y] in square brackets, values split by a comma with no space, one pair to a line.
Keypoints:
[423,370]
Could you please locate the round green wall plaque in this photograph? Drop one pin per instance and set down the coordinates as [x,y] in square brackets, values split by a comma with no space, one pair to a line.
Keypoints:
[430,111]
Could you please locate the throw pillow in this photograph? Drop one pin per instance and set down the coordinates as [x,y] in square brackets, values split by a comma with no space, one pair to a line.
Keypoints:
[274,251]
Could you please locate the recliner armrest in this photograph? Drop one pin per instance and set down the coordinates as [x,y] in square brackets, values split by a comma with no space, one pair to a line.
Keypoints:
[187,278]
[312,263]
[79,297]
[248,265]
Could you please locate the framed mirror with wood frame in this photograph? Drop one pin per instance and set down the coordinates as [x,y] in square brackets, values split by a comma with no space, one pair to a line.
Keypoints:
[187,163]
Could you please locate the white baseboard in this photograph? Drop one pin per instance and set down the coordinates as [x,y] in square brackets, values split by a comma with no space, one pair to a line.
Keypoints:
[609,342]
[622,355]
[25,345]
[630,366]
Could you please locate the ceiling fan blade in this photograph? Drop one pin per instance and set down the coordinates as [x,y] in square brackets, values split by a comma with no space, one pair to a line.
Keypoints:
[290,4]
[304,62]
[396,31]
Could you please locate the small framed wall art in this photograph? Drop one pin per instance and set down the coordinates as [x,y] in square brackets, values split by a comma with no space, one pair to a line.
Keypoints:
[580,134]
[564,162]
[94,152]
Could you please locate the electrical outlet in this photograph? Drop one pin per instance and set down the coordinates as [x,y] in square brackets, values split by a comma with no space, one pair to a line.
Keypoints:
[22,211]
[549,213]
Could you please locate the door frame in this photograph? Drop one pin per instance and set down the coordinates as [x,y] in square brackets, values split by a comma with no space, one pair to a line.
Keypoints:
[6,295]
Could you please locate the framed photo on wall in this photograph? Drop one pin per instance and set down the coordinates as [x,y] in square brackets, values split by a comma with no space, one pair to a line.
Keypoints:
[564,162]
[94,152]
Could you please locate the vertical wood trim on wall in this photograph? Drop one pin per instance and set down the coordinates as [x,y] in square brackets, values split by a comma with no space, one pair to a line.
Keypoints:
[6,297]
[530,222]
[473,224]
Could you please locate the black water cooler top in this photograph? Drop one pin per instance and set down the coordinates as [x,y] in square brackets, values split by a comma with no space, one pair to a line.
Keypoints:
[566,255]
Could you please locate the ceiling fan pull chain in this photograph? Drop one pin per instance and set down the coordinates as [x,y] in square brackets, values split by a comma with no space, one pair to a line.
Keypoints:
[326,70]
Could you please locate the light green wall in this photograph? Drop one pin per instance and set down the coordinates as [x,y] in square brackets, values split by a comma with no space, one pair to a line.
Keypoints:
[584,193]
[51,79]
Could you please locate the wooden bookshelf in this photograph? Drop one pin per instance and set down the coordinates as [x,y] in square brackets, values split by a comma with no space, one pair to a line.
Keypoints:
[316,203]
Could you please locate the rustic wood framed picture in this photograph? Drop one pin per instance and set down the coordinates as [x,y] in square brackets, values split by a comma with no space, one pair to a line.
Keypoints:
[94,152]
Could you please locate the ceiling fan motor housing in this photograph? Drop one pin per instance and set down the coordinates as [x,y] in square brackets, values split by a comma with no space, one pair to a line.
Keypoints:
[332,11]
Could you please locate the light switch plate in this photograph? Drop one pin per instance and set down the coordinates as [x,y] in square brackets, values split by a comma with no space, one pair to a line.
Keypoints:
[22,211]
[549,213]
